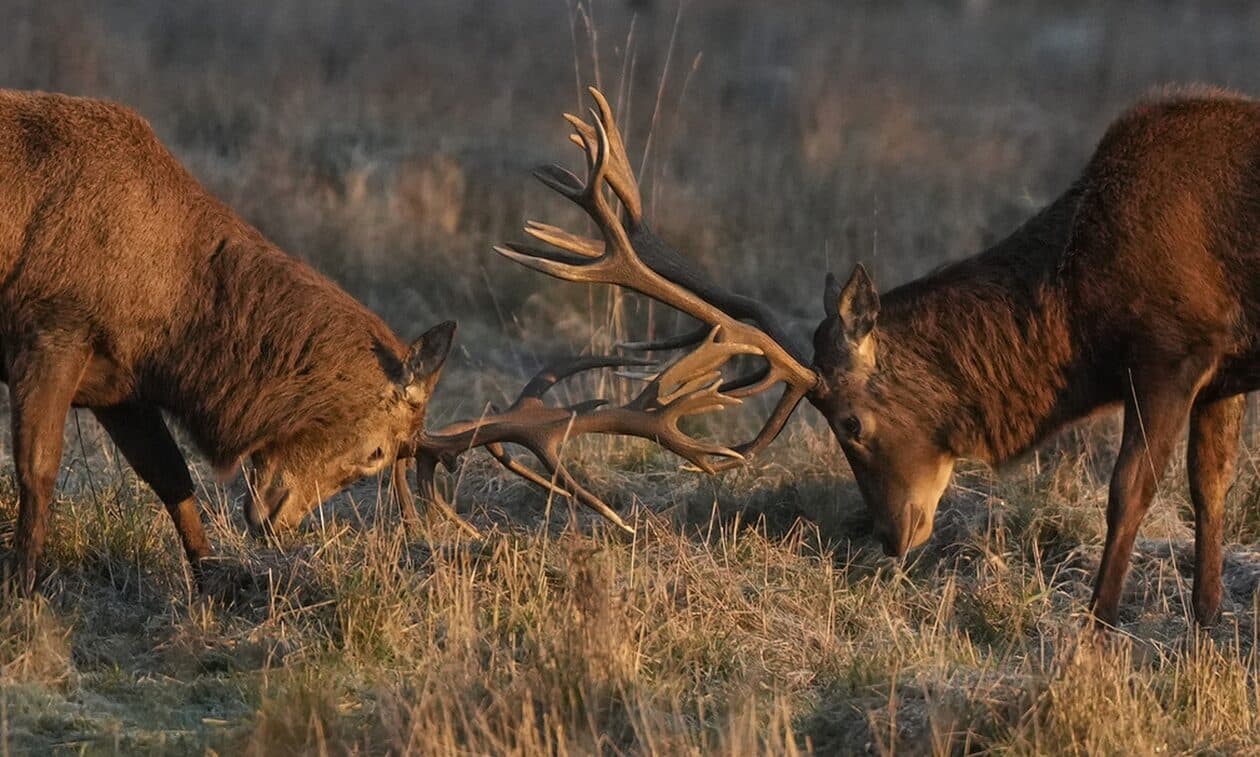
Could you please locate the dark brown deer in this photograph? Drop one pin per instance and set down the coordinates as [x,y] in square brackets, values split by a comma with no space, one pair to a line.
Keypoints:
[1133,289]
[126,288]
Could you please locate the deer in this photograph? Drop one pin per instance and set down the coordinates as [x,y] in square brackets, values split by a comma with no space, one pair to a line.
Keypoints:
[127,289]
[1127,292]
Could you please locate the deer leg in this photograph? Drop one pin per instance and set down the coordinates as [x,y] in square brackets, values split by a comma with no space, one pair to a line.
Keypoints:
[1154,415]
[43,378]
[1212,450]
[144,440]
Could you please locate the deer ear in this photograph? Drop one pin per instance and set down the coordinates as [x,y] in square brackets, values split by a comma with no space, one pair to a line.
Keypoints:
[425,359]
[831,295]
[857,304]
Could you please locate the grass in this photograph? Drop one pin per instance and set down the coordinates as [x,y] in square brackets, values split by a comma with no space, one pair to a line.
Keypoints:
[752,616]
[389,144]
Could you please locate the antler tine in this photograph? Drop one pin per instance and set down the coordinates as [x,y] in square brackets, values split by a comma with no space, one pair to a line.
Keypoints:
[577,261]
[676,342]
[560,179]
[658,421]
[575,490]
[498,452]
[648,247]
[426,467]
[402,491]
[698,367]
[557,237]
[428,490]
[544,380]
[552,265]
[529,423]
[550,459]
[620,175]
[737,385]
[770,430]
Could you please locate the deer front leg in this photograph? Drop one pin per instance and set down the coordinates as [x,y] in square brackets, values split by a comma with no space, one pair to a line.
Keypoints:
[1154,414]
[43,378]
[1211,453]
[143,438]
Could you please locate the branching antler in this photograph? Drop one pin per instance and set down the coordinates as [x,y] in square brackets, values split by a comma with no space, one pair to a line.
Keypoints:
[628,254]
[690,385]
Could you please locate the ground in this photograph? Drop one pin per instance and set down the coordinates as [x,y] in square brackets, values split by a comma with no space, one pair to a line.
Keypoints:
[389,144]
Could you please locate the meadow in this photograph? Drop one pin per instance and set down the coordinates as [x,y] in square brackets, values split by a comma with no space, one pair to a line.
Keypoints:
[389,143]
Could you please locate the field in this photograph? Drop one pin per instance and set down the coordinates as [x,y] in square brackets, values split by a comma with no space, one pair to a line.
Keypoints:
[389,143]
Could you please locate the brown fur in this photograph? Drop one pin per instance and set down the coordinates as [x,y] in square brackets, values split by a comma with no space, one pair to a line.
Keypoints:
[125,287]
[1134,288]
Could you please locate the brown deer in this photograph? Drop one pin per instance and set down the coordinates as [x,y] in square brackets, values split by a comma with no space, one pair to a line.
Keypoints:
[127,289]
[1130,290]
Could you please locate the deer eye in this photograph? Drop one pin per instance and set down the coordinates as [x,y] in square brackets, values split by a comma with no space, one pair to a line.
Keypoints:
[376,456]
[853,427]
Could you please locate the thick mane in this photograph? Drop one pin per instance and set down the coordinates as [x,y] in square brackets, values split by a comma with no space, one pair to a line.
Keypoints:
[275,351]
[999,350]
[982,348]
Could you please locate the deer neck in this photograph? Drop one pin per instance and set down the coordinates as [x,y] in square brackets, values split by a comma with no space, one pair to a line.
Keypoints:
[982,352]
[275,349]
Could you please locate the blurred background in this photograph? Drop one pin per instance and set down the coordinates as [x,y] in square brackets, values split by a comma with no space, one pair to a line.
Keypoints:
[389,142]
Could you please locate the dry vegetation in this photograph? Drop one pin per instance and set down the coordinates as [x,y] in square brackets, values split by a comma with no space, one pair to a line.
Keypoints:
[388,143]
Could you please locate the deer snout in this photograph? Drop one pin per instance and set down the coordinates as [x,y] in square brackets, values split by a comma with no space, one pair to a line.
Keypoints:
[895,543]
[287,515]
[265,513]
[255,515]
[899,536]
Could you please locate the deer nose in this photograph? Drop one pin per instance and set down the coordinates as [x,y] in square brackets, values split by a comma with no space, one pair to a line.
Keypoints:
[261,509]
[894,544]
[897,539]
[896,547]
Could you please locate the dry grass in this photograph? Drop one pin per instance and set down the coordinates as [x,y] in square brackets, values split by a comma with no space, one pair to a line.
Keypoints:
[749,615]
[389,144]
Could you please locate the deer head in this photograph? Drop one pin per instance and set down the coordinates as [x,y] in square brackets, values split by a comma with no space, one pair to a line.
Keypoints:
[291,477]
[899,468]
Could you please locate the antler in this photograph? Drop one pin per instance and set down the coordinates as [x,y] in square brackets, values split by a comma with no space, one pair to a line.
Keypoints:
[630,255]
[690,385]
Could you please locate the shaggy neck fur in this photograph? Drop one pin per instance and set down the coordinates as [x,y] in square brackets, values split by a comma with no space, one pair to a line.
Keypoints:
[982,351]
[281,354]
